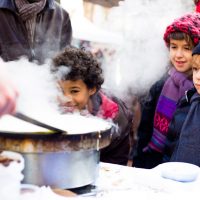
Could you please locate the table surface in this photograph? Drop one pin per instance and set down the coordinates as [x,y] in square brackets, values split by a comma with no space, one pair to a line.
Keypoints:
[116,181]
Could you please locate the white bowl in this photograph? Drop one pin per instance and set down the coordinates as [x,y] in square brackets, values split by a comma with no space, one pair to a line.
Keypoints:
[179,171]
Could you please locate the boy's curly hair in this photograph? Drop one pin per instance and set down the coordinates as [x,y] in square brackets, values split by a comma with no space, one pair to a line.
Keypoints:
[82,66]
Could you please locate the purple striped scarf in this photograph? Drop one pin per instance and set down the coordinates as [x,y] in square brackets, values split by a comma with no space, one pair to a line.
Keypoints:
[173,89]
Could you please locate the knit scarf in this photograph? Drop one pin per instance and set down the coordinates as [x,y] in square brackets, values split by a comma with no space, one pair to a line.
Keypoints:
[103,106]
[28,12]
[108,108]
[173,89]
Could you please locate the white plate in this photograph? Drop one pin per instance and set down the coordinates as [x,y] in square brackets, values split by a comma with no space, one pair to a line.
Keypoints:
[179,171]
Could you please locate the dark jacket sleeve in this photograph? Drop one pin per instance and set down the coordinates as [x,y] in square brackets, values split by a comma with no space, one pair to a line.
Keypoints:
[66,34]
[187,148]
[118,150]
[148,107]
[176,124]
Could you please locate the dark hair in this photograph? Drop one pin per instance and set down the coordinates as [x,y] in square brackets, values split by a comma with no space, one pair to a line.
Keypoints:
[180,36]
[82,65]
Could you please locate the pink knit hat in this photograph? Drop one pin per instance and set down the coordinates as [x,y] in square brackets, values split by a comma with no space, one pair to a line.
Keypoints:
[189,24]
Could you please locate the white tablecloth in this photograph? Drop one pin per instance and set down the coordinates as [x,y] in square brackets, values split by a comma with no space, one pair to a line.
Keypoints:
[118,182]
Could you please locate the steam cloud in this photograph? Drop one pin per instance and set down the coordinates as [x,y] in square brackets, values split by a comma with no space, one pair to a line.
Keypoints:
[37,87]
[142,58]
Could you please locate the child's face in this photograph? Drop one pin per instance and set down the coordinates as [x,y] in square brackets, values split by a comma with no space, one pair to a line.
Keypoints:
[196,73]
[77,94]
[180,55]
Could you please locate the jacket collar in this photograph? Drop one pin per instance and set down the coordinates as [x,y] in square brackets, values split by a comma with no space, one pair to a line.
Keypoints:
[10,4]
[189,94]
[186,99]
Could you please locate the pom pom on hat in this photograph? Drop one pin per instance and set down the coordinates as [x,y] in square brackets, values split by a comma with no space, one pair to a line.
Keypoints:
[189,24]
[196,50]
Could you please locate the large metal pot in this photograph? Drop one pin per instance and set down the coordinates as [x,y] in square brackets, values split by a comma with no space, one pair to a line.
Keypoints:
[58,160]
[61,169]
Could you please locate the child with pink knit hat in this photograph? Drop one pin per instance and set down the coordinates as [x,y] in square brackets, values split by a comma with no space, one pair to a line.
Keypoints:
[157,111]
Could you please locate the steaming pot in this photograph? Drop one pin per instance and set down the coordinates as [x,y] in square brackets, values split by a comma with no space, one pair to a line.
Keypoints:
[58,160]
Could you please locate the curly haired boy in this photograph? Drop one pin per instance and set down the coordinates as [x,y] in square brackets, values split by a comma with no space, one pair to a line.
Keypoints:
[80,77]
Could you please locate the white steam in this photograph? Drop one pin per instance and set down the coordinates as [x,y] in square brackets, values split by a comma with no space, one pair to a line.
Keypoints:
[140,60]
[38,95]
[36,85]
[62,71]
[142,57]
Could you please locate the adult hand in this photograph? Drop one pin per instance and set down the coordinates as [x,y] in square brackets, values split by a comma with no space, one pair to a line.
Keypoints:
[8,94]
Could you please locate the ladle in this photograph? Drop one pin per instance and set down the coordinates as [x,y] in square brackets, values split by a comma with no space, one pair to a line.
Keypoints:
[31,120]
